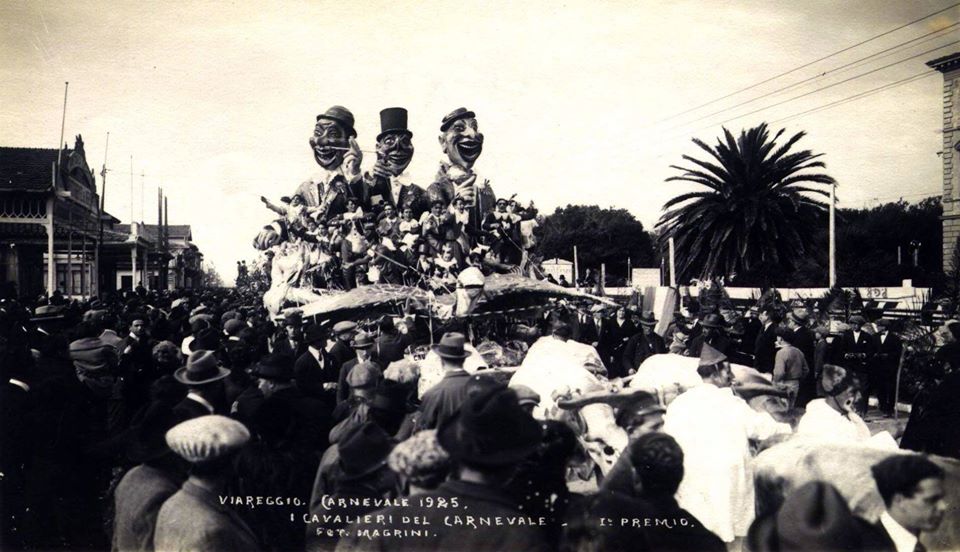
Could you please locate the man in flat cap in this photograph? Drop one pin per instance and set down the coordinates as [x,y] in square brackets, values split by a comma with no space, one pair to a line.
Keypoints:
[462,143]
[336,152]
[390,184]
[194,518]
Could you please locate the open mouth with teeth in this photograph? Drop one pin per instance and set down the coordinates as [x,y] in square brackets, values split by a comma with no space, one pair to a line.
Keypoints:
[399,158]
[326,155]
[469,150]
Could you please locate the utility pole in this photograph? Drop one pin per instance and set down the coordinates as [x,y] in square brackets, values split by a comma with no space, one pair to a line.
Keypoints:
[63,126]
[833,235]
[101,208]
[131,189]
[576,270]
[673,264]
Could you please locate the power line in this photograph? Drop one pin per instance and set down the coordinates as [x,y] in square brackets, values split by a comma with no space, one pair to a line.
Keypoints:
[858,96]
[804,66]
[821,75]
[822,88]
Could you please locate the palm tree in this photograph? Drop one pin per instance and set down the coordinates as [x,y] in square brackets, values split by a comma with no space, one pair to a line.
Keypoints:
[757,215]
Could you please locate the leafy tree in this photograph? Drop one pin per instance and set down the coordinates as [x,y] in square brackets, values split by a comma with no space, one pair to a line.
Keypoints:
[601,236]
[210,278]
[756,216]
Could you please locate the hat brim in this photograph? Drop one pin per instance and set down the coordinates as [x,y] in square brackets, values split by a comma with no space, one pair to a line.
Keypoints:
[394,131]
[181,373]
[47,317]
[359,346]
[442,354]
[648,322]
[447,436]
[346,124]
[714,326]
[449,123]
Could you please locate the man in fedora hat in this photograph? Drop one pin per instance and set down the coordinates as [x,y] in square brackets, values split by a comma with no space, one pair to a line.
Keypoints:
[462,144]
[714,426]
[389,184]
[362,345]
[643,344]
[445,398]
[336,151]
[314,370]
[203,377]
[487,456]
[714,333]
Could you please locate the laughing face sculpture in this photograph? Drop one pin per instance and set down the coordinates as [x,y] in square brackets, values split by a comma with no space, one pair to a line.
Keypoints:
[461,139]
[331,138]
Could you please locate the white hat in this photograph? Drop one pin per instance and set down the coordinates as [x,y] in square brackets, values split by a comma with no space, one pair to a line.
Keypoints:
[470,277]
[207,438]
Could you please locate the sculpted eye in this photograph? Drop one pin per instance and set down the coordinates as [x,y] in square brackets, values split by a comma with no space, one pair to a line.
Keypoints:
[459,127]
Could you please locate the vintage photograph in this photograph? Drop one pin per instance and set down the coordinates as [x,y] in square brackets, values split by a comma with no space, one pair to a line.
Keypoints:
[582,276]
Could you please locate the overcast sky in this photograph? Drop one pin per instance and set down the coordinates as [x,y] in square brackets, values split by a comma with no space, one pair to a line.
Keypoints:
[216,101]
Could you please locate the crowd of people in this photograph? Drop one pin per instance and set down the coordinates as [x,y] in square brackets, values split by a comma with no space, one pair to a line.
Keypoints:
[194,421]
[224,420]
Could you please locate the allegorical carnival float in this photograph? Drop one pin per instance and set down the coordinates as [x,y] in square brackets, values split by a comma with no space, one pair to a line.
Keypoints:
[352,245]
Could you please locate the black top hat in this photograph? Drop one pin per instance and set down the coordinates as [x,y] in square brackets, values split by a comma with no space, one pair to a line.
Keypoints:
[363,450]
[341,115]
[456,115]
[274,367]
[475,434]
[393,119]
[201,368]
[451,346]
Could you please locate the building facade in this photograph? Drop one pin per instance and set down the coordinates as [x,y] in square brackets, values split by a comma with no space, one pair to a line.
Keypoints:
[54,235]
[949,66]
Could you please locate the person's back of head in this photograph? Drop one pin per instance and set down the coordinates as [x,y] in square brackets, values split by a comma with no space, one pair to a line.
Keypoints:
[657,461]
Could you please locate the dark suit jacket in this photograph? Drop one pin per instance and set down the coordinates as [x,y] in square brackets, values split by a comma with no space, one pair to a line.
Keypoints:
[888,352]
[188,409]
[641,346]
[851,349]
[765,349]
[805,342]
[311,375]
[379,192]
[721,343]
[443,399]
[389,348]
[933,423]
[874,537]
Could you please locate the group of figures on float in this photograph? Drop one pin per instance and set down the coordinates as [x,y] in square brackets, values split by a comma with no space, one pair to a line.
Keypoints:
[345,228]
